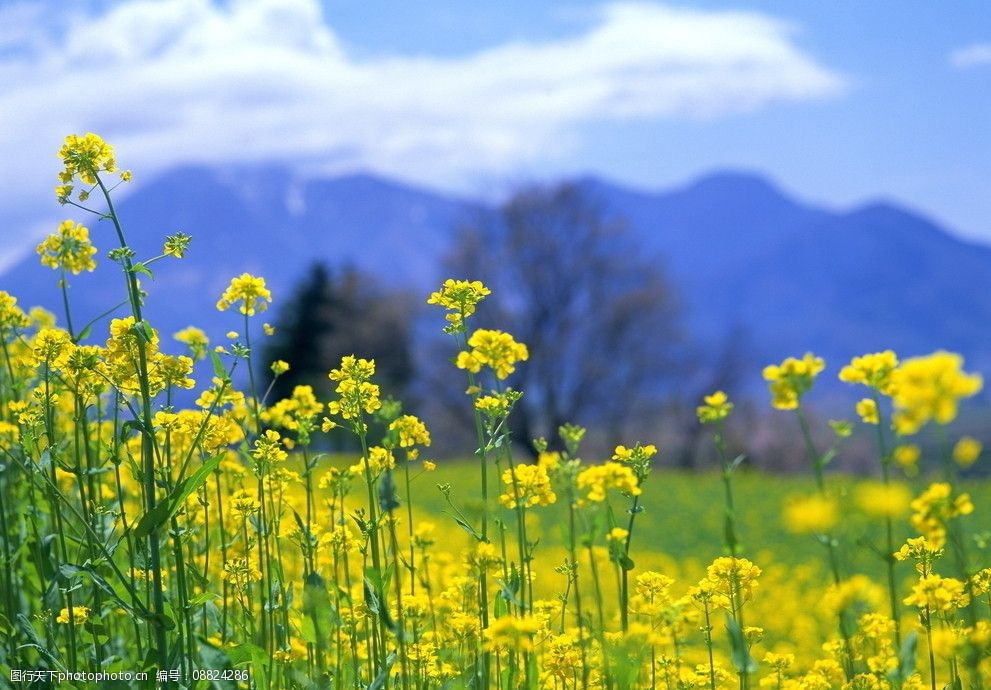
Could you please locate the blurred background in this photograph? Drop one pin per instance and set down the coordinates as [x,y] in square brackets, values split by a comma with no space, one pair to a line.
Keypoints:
[665,197]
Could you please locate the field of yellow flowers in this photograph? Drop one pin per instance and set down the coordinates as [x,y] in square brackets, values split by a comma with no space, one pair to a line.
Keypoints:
[215,546]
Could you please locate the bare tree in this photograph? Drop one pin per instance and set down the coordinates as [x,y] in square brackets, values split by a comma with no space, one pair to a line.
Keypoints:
[596,312]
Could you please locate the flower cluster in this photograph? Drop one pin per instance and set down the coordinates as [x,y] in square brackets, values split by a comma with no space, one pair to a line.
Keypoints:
[494,349]
[460,298]
[792,379]
[84,158]
[248,292]
[872,370]
[597,480]
[930,388]
[715,408]
[357,394]
[68,249]
[527,486]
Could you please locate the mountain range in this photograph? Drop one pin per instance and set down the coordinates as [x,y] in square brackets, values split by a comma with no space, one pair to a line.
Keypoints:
[740,253]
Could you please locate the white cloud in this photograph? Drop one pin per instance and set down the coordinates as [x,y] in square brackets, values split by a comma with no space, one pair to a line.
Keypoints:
[974,55]
[170,81]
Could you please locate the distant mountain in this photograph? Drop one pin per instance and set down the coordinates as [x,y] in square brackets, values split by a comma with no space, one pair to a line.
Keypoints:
[261,220]
[739,251]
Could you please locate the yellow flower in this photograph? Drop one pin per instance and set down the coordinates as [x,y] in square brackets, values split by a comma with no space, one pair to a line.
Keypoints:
[906,455]
[814,514]
[494,349]
[617,534]
[80,614]
[511,632]
[792,379]
[195,339]
[460,298]
[429,466]
[731,580]
[411,431]
[268,447]
[279,367]
[867,409]
[598,479]
[493,406]
[920,550]
[241,572]
[937,593]
[244,504]
[935,507]
[249,291]
[357,393]
[966,451]
[716,408]
[68,249]
[84,157]
[930,388]
[873,370]
[11,316]
[527,486]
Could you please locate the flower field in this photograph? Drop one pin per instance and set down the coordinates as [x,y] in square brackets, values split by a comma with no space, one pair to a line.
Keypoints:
[218,542]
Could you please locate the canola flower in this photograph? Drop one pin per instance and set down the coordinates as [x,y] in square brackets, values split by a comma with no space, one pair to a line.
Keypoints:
[792,379]
[493,349]
[68,249]
[137,531]
[248,292]
[930,388]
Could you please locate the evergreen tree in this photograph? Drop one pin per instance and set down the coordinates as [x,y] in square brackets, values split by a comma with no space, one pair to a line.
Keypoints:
[333,314]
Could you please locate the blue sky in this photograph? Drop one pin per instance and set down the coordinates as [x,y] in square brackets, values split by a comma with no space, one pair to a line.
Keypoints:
[840,101]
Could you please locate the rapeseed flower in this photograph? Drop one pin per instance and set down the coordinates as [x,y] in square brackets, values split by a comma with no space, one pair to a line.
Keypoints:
[248,292]
[68,249]
[872,370]
[411,431]
[460,298]
[935,507]
[599,479]
[716,408]
[527,486]
[930,388]
[936,593]
[868,412]
[494,349]
[80,614]
[792,379]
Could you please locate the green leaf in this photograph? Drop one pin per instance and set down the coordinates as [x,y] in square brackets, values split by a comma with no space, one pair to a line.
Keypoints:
[143,329]
[215,659]
[127,427]
[379,681]
[906,657]
[742,661]
[85,333]
[140,269]
[318,609]
[465,526]
[153,520]
[218,366]
[201,599]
